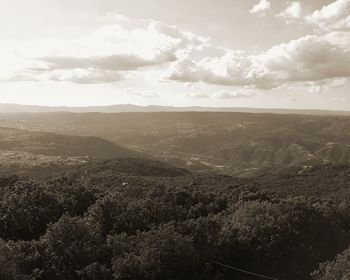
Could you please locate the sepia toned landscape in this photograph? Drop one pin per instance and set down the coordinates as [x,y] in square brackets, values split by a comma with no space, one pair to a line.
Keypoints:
[165,195]
[174,140]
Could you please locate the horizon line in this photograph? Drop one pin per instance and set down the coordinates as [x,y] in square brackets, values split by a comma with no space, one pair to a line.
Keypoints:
[171,106]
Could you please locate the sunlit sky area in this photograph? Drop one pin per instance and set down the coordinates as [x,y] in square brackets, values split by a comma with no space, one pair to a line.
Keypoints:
[267,53]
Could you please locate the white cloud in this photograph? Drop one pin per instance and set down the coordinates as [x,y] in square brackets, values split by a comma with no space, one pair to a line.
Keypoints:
[335,16]
[193,86]
[317,88]
[225,94]
[105,54]
[293,11]
[235,94]
[340,99]
[109,53]
[325,85]
[140,93]
[82,76]
[331,17]
[261,8]
[310,58]
[198,95]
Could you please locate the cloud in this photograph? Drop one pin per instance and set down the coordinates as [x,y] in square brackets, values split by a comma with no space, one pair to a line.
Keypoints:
[199,95]
[147,94]
[293,11]
[261,8]
[310,58]
[332,17]
[335,16]
[194,86]
[292,99]
[225,94]
[230,69]
[235,94]
[78,76]
[107,52]
[84,76]
[325,85]
[340,99]
[114,62]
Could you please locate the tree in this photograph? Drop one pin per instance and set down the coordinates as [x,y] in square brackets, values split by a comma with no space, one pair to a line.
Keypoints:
[339,269]
[74,246]
[25,211]
[276,238]
[8,268]
[73,197]
[160,254]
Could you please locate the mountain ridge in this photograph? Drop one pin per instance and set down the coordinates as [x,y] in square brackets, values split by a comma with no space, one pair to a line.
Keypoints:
[123,108]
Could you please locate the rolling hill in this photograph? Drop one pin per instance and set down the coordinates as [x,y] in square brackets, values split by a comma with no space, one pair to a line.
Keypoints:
[230,143]
[327,181]
[41,153]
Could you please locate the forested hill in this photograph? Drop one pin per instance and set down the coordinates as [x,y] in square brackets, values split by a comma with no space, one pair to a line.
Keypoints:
[328,181]
[42,154]
[230,143]
[141,219]
[53,144]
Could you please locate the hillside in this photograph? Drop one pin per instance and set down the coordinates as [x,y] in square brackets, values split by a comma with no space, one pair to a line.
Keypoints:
[328,181]
[41,154]
[121,216]
[132,167]
[52,144]
[124,172]
[229,143]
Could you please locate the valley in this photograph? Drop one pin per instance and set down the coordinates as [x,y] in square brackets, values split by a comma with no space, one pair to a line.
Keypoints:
[228,143]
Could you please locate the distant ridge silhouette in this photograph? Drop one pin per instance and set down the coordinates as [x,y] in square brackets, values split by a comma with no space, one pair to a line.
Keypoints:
[120,108]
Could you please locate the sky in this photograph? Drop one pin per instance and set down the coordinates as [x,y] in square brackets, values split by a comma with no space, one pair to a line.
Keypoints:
[227,53]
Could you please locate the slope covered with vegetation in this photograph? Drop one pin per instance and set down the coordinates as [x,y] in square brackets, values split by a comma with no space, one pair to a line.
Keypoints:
[41,154]
[141,219]
[230,143]
[53,144]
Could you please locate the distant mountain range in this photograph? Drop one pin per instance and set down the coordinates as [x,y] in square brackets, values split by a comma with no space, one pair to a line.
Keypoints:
[120,108]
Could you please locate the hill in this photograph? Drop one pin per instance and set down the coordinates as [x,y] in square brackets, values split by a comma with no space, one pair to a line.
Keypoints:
[229,143]
[52,144]
[117,216]
[41,153]
[119,172]
[133,167]
[327,181]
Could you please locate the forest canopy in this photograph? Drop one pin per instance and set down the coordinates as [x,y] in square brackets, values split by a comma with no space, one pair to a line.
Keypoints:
[106,222]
